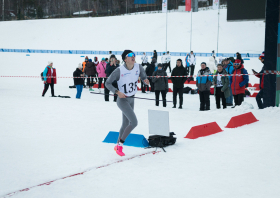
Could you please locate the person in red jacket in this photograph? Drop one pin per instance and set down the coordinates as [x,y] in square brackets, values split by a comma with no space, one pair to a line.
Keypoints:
[238,81]
[260,75]
[49,75]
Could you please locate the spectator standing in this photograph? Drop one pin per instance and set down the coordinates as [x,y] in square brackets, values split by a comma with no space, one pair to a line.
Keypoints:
[163,61]
[260,75]
[49,75]
[90,71]
[149,71]
[187,63]
[144,59]
[106,60]
[78,80]
[84,65]
[109,69]
[203,84]
[168,61]
[238,56]
[221,86]
[155,55]
[161,84]
[101,68]
[96,62]
[211,64]
[238,82]
[228,66]
[178,82]
[192,61]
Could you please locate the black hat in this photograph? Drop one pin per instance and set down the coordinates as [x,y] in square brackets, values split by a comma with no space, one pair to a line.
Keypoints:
[125,52]
[203,63]
[159,65]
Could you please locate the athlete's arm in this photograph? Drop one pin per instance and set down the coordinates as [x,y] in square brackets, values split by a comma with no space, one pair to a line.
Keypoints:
[115,76]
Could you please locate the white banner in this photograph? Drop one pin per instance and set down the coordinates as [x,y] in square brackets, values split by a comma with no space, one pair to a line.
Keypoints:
[164,5]
[216,4]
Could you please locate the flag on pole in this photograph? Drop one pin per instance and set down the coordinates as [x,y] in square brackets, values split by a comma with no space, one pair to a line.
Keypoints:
[164,5]
[216,4]
[188,4]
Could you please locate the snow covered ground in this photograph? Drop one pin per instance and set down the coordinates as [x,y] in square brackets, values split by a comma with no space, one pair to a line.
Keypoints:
[145,32]
[44,138]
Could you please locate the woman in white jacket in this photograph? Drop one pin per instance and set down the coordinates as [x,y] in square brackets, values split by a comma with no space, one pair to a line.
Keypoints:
[211,64]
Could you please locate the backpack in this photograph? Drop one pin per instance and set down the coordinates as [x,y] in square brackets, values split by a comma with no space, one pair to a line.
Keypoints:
[162,141]
[42,77]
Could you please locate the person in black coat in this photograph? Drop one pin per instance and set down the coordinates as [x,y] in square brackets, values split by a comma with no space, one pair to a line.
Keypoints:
[149,71]
[78,81]
[111,66]
[155,55]
[178,82]
[238,56]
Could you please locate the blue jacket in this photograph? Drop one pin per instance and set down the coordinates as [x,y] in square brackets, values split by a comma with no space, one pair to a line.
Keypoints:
[204,83]
[45,73]
[229,69]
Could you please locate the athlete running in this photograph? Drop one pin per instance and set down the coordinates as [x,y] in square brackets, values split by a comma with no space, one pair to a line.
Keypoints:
[127,78]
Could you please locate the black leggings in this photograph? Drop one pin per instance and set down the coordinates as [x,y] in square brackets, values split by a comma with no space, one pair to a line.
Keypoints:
[46,87]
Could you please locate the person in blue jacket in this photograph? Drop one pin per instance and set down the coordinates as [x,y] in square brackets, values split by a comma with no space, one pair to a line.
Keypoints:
[229,69]
[203,84]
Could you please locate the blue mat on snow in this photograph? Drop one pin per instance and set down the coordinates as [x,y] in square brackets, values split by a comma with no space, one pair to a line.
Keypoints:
[135,140]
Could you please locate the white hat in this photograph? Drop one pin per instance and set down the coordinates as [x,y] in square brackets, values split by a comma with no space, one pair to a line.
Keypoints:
[50,62]
[80,65]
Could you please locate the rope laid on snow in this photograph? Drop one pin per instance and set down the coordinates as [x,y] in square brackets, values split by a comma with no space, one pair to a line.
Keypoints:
[73,175]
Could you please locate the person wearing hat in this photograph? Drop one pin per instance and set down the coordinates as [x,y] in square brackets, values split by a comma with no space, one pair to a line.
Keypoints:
[84,66]
[101,68]
[178,82]
[260,75]
[49,75]
[238,82]
[228,66]
[161,84]
[110,67]
[79,80]
[204,81]
[127,78]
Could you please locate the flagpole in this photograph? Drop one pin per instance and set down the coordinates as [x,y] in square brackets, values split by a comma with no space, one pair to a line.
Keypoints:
[191,33]
[166,26]
[218,27]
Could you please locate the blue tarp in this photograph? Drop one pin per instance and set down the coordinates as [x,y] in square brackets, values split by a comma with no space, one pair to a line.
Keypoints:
[135,140]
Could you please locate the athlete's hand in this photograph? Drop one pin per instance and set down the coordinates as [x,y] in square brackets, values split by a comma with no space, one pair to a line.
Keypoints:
[45,82]
[147,81]
[121,95]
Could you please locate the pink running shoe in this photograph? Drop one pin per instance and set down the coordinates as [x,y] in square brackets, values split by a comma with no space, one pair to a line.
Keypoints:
[118,150]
